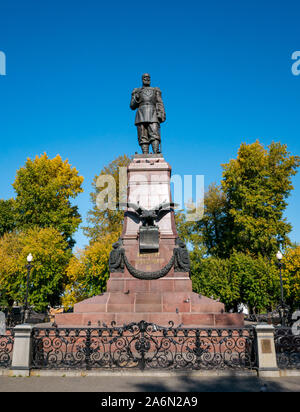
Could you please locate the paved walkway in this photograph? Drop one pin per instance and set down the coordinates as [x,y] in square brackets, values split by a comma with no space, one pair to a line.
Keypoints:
[149,384]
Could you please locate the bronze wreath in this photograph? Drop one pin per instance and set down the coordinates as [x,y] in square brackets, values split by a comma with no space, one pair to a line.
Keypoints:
[139,274]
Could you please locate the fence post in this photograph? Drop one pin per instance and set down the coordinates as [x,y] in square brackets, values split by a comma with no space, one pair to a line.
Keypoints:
[22,352]
[267,362]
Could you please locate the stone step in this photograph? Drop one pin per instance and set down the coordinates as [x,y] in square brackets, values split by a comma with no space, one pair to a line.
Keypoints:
[138,285]
[144,302]
[95,319]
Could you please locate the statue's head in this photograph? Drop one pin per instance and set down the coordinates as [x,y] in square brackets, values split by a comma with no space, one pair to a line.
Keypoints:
[146,79]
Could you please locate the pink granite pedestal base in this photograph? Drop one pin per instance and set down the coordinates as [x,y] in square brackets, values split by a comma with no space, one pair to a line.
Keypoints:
[185,319]
[155,301]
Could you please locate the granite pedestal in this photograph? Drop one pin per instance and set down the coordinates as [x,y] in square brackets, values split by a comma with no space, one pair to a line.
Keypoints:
[162,300]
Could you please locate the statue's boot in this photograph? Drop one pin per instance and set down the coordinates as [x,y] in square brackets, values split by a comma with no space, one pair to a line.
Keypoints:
[145,148]
[155,146]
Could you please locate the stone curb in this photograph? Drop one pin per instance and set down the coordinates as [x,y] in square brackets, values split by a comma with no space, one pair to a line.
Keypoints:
[284,373]
[136,373]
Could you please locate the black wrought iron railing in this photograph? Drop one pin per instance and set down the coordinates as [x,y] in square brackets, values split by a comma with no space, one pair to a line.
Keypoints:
[144,345]
[6,348]
[13,316]
[287,346]
[16,316]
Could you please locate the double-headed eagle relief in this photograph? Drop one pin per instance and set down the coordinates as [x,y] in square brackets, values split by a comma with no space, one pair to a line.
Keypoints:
[150,113]
[148,217]
[148,231]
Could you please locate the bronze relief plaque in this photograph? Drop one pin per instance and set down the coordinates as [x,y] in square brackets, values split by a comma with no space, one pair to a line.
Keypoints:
[266,346]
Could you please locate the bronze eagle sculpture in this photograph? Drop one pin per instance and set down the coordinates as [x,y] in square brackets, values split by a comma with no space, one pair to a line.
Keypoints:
[148,217]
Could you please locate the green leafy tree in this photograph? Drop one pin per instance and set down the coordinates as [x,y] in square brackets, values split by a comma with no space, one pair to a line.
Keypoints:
[7,216]
[215,226]
[245,213]
[238,279]
[256,186]
[51,257]
[243,227]
[259,281]
[106,221]
[185,229]
[212,277]
[44,189]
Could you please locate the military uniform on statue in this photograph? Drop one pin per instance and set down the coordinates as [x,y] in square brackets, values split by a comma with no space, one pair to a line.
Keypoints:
[150,114]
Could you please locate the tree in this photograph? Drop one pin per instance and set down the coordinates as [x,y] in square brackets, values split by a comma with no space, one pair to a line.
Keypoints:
[243,227]
[256,186]
[238,279]
[44,188]
[215,226]
[106,221]
[211,277]
[88,271]
[291,276]
[7,216]
[259,282]
[51,256]
[245,213]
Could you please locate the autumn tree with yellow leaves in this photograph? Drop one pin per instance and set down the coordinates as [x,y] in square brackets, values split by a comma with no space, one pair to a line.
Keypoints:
[44,188]
[291,276]
[40,220]
[88,271]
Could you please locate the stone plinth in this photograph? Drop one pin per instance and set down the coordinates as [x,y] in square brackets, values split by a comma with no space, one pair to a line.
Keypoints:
[149,185]
[267,362]
[169,298]
[159,301]
[21,360]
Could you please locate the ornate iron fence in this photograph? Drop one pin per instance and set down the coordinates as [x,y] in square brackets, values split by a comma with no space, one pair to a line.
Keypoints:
[6,348]
[144,345]
[287,346]
[13,316]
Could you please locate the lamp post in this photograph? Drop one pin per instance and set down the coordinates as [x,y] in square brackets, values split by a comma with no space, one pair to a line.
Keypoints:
[283,308]
[29,266]
[279,258]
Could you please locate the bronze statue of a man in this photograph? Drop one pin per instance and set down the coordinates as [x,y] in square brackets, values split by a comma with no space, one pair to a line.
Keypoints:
[150,113]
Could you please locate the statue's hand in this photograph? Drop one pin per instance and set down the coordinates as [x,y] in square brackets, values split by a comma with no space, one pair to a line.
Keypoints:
[136,96]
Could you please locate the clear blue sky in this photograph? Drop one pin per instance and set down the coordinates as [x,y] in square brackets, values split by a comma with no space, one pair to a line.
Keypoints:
[224,68]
